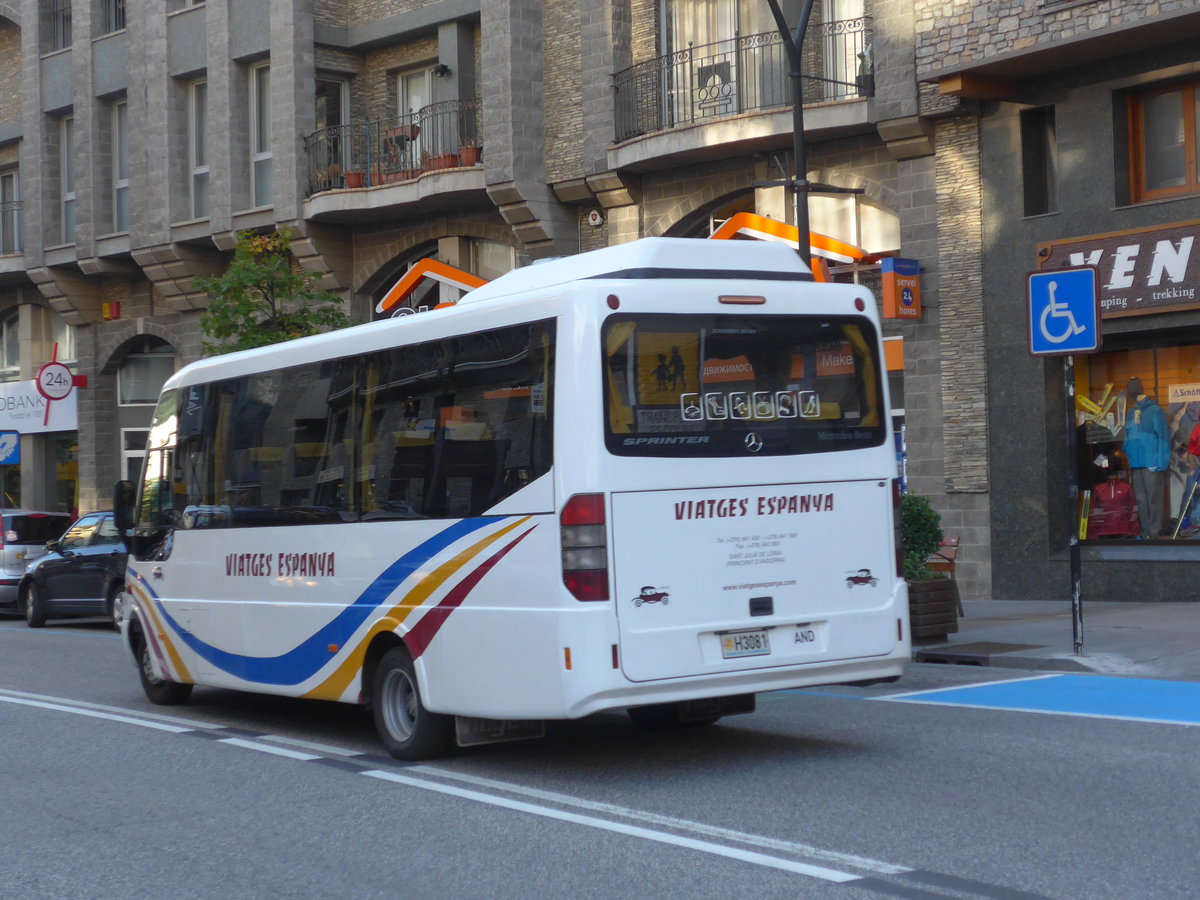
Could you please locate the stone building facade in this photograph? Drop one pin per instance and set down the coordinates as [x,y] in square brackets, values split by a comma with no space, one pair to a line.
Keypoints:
[489,134]
[1062,143]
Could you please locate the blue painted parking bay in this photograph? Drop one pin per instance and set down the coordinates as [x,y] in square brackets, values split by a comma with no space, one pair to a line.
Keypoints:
[1098,696]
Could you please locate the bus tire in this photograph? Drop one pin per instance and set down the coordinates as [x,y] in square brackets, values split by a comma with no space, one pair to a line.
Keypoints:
[35,607]
[406,728]
[159,691]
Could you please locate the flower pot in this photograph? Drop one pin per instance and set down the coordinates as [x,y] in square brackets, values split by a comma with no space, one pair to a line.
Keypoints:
[442,161]
[354,179]
[932,609]
[470,156]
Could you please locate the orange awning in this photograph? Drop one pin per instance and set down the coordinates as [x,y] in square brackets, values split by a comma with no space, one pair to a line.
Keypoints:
[764,229]
[428,268]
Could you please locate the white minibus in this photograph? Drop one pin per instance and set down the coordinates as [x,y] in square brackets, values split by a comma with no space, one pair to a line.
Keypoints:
[657,477]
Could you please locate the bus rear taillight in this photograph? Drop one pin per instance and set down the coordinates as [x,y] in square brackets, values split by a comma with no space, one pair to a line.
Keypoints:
[584,547]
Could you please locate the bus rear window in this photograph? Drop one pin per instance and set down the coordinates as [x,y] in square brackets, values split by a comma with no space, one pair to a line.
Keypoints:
[709,385]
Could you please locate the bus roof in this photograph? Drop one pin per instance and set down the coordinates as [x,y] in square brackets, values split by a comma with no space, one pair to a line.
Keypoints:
[656,257]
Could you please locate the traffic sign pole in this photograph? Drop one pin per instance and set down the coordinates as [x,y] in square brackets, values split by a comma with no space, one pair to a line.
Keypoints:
[1073,519]
[1063,308]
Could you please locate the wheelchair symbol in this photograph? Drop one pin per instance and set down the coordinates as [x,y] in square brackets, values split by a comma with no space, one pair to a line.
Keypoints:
[1059,312]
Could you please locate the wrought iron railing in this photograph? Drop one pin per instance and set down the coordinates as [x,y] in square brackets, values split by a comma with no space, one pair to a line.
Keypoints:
[442,135]
[744,74]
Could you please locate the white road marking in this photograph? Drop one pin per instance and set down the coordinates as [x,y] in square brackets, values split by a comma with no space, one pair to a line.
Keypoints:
[268,748]
[95,714]
[963,687]
[637,831]
[829,856]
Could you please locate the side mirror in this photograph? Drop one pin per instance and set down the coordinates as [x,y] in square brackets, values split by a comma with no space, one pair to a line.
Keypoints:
[124,498]
[53,546]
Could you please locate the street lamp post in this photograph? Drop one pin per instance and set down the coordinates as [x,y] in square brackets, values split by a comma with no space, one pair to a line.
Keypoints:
[799,185]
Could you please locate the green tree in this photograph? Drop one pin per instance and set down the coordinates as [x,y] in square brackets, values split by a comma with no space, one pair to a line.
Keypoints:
[262,298]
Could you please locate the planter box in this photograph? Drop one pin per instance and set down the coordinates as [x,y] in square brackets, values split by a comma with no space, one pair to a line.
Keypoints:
[354,179]
[470,156]
[932,609]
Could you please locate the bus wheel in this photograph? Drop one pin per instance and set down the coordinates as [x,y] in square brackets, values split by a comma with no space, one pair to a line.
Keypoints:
[158,690]
[406,728]
[661,716]
[35,607]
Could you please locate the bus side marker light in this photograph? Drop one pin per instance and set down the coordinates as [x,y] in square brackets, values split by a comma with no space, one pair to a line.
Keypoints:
[900,629]
[333,648]
[614,302]
[616,664]
[567,658]
[741,300]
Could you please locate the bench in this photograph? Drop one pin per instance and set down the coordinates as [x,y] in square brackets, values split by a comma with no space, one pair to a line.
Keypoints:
[944,559]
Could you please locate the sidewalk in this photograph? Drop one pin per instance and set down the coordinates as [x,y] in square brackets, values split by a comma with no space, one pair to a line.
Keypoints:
[1144,640]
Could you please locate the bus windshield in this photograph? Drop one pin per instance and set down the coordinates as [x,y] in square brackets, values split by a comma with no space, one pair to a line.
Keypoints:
[716,385]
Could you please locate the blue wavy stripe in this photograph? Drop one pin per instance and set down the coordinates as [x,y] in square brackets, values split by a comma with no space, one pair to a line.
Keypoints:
[306,659]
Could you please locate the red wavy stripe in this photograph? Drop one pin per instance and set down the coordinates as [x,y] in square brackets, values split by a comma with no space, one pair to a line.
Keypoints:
[426,629]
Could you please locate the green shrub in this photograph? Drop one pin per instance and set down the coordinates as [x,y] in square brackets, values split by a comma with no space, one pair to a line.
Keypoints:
[920,535]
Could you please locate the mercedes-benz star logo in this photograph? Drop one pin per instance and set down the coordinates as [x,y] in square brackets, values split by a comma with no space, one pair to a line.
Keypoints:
[753,442]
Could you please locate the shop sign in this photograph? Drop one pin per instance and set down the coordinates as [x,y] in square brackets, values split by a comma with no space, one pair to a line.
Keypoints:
[24,409]
[901,287]
[1147,270]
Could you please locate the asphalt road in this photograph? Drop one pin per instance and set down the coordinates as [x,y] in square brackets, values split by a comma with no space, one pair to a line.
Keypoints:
[955,782]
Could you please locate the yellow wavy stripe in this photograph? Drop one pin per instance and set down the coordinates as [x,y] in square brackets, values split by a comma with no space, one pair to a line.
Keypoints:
[147,607]
[335,685]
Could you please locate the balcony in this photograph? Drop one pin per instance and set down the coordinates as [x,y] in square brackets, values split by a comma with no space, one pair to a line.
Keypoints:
[437,137]
[743,78]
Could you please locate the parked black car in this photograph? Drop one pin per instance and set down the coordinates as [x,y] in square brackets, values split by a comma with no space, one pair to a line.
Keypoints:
[81,575]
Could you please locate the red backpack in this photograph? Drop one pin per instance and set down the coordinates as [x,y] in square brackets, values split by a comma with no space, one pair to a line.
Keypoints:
[1194,441]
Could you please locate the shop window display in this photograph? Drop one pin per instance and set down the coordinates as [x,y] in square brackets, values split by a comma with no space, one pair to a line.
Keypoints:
[1138,418]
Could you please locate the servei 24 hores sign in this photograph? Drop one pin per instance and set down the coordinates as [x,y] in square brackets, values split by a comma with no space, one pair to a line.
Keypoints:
[1148,270]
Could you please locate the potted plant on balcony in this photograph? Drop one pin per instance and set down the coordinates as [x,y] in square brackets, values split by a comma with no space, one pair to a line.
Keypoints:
[470,155]
[932,596]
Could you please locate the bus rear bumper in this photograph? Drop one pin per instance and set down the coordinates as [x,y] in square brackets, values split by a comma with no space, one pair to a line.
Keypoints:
[748,682]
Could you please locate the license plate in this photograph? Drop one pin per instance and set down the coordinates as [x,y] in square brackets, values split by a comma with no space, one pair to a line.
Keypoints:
[745,643]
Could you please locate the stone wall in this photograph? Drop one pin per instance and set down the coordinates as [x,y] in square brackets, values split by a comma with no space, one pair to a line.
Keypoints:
[954,34]
[563,94]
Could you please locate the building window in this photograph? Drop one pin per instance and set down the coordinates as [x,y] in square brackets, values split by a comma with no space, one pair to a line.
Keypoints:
[112,16]
[56,25]
[133,452]
[1162,127]
[414,91]
[66,177]
[1039,160]
[144,372]
[120,165]
[10,212]
[50,329]
[198,147]
[260,135]
[10,346]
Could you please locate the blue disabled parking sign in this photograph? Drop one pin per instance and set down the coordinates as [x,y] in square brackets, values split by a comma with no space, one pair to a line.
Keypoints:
[1064,311]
